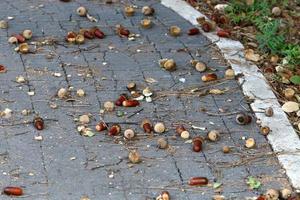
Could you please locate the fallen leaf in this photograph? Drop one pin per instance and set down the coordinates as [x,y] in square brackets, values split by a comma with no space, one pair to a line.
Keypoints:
[217,185]
[150,80]
[290,106]
[250,55]
[216,91]
[295,79]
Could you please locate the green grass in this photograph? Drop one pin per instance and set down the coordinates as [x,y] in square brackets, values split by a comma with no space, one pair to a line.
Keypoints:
[269,37]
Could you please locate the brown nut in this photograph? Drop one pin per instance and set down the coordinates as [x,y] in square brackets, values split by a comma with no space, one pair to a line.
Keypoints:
[174,31]
[209,77]
[165,195]
[269,112]
[71,37]
[198,181]
[131,103]
[121,31]
[147,10]
[265,130]
[79,39]
[88,34]
[134,157]
[250,143]
[162,143]
[120,100]
[97,33]
[197,144]
[20,38]
[38,123]
[131,86]
[193,31]
[24,48]
[213,135]
[243,119]
[226,149]
[169,65]
[180,129]
[285,193]
[146,23]
[114,130]
[11,190]
[129,11]
[101,126]
[147,126]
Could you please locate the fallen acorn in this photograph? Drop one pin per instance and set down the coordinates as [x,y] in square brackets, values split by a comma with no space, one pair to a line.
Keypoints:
[27,34]
[289,93]
[194,62]
[3,24]
[174,31]
[121,31]
[97,33]
[80,93]
[20,38]
[179,129]
[146,23]
[250,143]
[120,100]
[265,130]
[79,39]
[101,126]
[207,26]
[213,135]
[12,40]
[285,193]
[114,130]
[243,119]
[2,69]
[272,194]
[84,119]
[130,103]
[147,126]
[223,33]
[62,93]
[131,86]
[109,106]
[11,190]
[81,11]
[129,11]
[24,48]
[198,181]
[71,37]
[134,157]
[147,10]
[226,149]
[88,34]
[164,196]
[162,143]
[197,144]
[269,112]
[229,74]
[129,134]
[200,66]
[169,65]
[38,123]
[193,31]
[159,127]
[209,77]
[185,135]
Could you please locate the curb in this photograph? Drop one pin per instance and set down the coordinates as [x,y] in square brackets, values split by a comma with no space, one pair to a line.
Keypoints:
[283,138]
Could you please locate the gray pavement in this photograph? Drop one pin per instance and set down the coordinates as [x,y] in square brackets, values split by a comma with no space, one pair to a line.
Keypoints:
[68,166]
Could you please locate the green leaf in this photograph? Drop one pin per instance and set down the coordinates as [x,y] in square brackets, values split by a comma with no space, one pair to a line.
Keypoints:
[89,133]
[295,79]
[217,185]
[253,183]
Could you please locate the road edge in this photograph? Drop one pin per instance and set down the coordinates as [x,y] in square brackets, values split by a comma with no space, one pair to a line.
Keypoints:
[283,138]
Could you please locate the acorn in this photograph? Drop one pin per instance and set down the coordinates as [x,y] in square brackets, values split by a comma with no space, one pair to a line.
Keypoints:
[130,103]
[84,119]
[276,11]
[206,26]
[134,157]
[147,126]
[269,112]
[120,100]
[62,93]
[81,11]
[3,24]
[129,134]
[97,33]
[200,66]
[20,38]
[272,194]
[226,149]
[209,77]
[147,10]
[114,130]
[229,74]
[174,31]
[121,31]
[131,86]
[80,92]
[250,143]
[79,39]
[101,126]
[265,130]
[146,23]
[223,33]
[27,34]
[24,48]
[170,65]
[2,70]
[194,62]
[289,93]
[11,190]
[159,127]
[71,37]
[38,123]
[197,144]
[193,31]
[243,119]
[88,34]
[179,129]
[129,11]
[285,193]
[198,181]
[162,143]
[109,106]
[213,135]
[185,135]
[165,195]
[12,40]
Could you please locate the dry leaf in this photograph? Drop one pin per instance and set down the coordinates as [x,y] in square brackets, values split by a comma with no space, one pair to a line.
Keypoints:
[290,106]
[150,80]
[250,55]
[216,91]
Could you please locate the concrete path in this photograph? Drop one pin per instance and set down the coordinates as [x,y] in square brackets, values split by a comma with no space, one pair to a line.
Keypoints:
[68,166]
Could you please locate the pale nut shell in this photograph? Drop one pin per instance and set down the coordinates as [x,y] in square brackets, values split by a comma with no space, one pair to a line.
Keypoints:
[285,193]
[134,157]
[84,119]
[27,34]
[200,67]
[129,134]
[185,135]
[250,143]
[147,10]
[20,79]
[147,92]
[80,93]
[175,31]
[81,11]
[3,24]
[159,127]
[289,93]
[272,194]
[229,74]
[109,106]
[213,135]
[162,143]
[24,48]
[146,23]
[12,40]
[62,93]
[276,11]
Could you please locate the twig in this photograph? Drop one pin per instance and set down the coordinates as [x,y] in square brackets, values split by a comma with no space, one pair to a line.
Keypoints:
[136,112]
